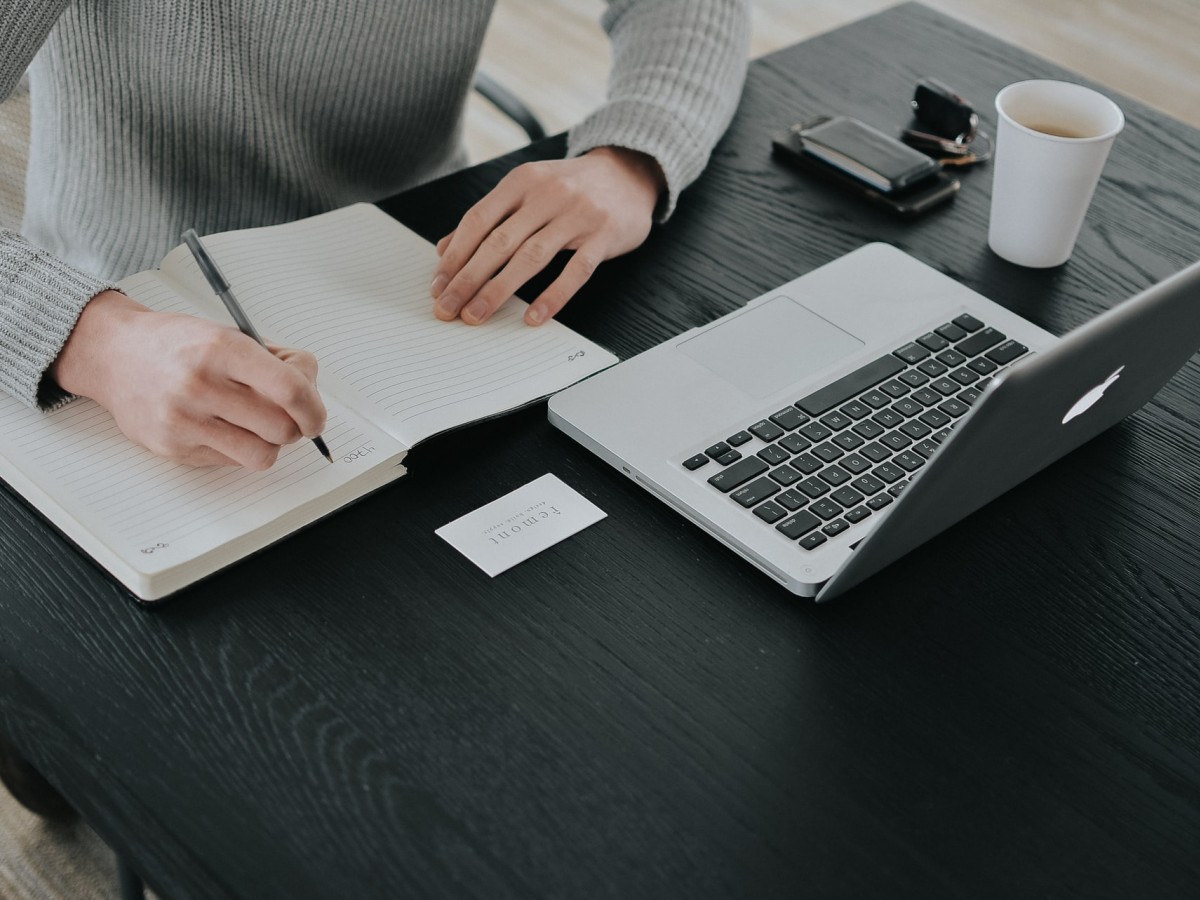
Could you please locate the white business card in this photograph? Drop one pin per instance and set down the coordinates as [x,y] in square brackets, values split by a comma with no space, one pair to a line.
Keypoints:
[520,524]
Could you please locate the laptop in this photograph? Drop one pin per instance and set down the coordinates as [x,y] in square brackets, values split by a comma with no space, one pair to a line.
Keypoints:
[832,425]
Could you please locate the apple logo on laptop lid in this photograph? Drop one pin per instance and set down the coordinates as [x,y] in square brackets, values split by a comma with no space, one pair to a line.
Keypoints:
[1084,403]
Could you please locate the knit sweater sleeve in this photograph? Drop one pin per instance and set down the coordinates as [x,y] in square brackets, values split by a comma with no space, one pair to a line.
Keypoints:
[41,297]
[677,74]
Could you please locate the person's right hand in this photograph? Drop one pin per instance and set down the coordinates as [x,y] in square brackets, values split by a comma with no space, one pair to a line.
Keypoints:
[189,389]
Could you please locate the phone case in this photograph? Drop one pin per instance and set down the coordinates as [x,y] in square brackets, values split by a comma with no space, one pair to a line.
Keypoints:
[908,202]
[865,153]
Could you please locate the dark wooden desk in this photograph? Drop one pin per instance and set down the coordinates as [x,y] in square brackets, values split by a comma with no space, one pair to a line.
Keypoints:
[1013,711]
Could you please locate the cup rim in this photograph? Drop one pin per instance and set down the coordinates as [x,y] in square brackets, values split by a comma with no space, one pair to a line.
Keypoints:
[1033,132]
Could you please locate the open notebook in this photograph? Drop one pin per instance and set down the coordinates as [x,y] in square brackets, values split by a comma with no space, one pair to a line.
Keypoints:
[351,286]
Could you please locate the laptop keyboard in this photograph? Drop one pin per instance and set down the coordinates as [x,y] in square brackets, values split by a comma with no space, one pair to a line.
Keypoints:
[817,468]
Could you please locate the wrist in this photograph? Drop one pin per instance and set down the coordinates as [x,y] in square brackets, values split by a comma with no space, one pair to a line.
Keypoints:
[81,364]
[640,167]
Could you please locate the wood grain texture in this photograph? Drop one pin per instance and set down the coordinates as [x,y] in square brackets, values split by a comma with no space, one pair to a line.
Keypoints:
[1011,710]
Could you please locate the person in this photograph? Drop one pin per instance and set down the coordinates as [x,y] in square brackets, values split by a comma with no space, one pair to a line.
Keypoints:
[152,116]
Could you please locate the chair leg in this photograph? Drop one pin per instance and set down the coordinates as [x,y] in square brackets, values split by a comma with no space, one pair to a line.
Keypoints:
[131,884]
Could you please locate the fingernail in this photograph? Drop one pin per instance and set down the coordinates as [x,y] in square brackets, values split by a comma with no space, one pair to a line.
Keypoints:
[447,306]
[534,315]
[475,311]
[439,285]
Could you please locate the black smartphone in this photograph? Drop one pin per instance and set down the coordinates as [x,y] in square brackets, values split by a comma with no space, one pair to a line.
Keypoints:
[852,155]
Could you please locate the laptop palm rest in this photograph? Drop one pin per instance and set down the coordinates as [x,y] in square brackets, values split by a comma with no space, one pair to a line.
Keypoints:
[770,345]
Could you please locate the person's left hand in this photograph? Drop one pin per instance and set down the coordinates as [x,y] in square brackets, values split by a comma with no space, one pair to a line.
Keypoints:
[600,205]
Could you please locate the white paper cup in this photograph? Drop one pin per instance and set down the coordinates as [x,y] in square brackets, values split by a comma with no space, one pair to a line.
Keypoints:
[1052,139]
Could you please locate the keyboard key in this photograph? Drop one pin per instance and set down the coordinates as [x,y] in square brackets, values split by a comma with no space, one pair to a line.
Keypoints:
[911,353]
[854,464]
[983,365]
[887,472]
[806,463]
[953,408]
[977,343]
[1007,352]
[826,509]
[736,440]
[951,332]
[695,462]
[835,527]
[773,454]
[951,358]
[888,418]
[969,396]
[910,462]
[895,440]
[898,488]
[785,475]
[848,386]
[770,512]
[789,417]
[913,378]
[731,457]
[878,503]
[932,368]
[925,447]
[813,487]
[875,399]
[875,452]
[940,436]
[836,421]
[915,429]
[755,492]
[968,322]
[812,541]
[794,443]
[856,410]
[815,431]
[868,484]
[907,407]
[718,450]
[934,418]
[798,524]
[847,496]
[965,375]
[791,500]
[848,440]
[894,388]
[928,397]
[933,341]
[827,451]
[738,474]
[766,431]
[945,386]
[868,429]
[835,475]
[857,514]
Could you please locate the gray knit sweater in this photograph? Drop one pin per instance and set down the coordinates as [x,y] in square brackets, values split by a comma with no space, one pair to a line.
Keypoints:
[152,116]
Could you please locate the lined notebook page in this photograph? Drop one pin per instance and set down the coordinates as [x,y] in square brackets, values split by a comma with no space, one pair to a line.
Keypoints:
[150,511]
[352,287]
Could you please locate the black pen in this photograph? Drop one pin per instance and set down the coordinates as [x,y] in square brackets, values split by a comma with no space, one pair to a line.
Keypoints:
[221,288]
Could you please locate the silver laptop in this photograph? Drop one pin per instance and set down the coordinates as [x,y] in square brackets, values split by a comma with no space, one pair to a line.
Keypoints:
[832,425]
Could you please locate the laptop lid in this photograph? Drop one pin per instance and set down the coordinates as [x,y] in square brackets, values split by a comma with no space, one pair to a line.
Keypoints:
[1035,413]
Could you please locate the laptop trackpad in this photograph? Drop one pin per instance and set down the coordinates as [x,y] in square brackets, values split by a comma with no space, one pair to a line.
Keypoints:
[764,349]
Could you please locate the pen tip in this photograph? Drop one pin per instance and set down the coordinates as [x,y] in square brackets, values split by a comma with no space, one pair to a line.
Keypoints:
[320,443]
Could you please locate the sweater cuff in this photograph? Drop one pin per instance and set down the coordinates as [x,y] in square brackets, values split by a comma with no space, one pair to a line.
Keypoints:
[41,298]
[636,125]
